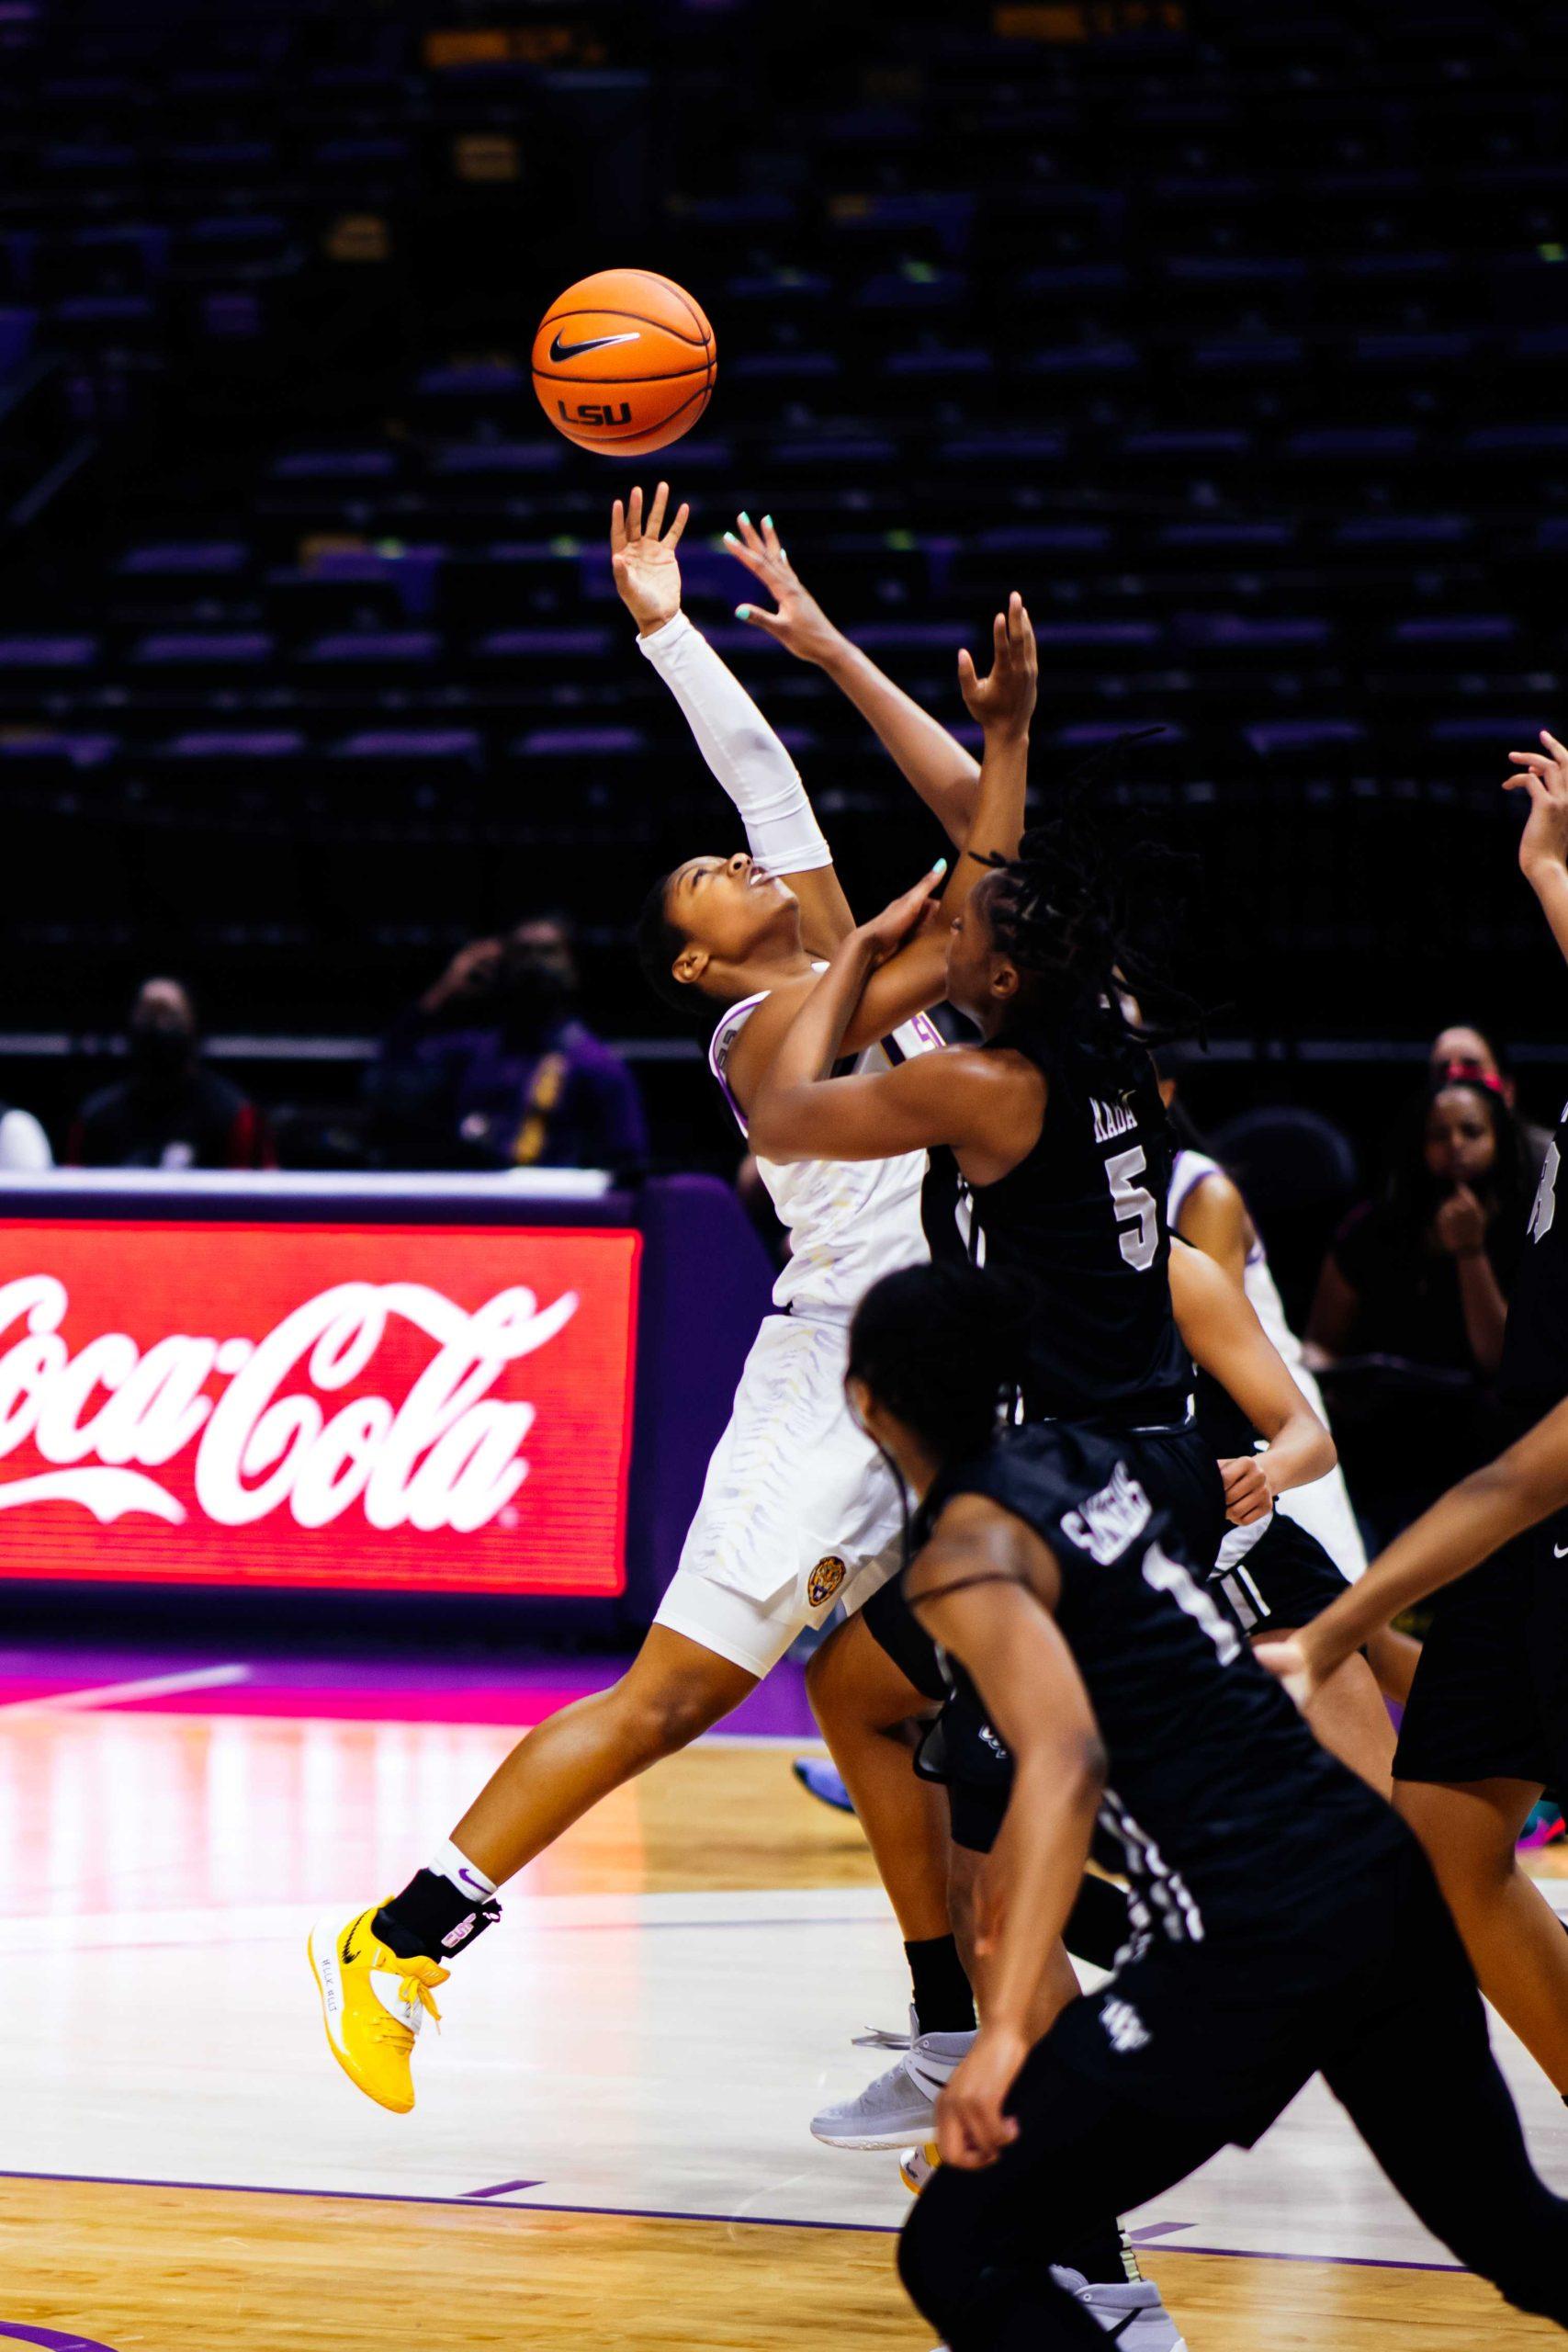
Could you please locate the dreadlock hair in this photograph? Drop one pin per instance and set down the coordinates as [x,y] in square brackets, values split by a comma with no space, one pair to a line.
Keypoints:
[1075,912]
[944,1347]
[658,941]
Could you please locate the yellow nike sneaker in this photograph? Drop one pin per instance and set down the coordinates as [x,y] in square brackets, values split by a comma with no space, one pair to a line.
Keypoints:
[373,2004]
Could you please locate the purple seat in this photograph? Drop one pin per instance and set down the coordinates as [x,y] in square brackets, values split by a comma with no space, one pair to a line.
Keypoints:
[347,646]
[202,558]
[236,743]
[1403,530]
[412,743]
[1236,633]
[1499,732]
[1456,629]
[205,648]
[1377,441]
[1305,736]
[580,743]
[43,652]
[1225,537]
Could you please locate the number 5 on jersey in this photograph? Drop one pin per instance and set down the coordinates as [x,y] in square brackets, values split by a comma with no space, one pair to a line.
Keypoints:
[1137,1218]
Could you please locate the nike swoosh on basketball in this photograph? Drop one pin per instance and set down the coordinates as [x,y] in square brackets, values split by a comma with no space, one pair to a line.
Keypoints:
[559,350]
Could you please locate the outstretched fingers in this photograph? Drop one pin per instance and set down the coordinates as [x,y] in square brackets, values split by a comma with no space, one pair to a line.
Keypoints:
[755,563]
[656,512]
[683,516]
[617,528]
[634,514]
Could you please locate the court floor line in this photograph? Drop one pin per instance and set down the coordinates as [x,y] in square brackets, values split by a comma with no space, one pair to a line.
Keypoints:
[115,1694]
[658,2213]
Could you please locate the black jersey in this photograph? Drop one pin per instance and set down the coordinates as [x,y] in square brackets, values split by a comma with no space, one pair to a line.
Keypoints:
[1226,1813]
[1084,1218]
[1533,1376]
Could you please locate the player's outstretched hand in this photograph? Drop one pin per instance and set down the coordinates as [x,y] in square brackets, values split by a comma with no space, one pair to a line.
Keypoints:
[1289,1663]
[798,623]
[914,911]
[1004,701]
[643,558]
[1544,841]
[971,2128]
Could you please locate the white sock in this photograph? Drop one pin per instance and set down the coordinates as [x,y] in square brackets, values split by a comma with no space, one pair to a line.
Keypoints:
[449,1861]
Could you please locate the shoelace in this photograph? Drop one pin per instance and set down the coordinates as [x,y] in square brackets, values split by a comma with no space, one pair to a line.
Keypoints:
[877,2036]
[387,2027]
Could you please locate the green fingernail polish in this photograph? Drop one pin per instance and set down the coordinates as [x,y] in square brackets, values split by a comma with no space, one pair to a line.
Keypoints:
[767,522]
[730,541]
[744,517]
[742,612]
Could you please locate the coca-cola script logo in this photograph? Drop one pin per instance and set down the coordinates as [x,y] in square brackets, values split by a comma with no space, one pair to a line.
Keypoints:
[305,1404]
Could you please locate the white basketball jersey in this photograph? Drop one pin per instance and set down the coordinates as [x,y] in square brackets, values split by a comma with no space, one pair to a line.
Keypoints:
[850,1221]
[1324,1508]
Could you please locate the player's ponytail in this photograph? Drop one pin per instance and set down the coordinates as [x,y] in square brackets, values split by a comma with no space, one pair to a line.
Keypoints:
[942,1348]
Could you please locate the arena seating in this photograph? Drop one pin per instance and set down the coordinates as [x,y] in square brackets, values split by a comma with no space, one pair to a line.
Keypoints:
[1237,339]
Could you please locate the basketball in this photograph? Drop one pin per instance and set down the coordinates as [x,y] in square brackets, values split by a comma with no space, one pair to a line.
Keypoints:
[623,362]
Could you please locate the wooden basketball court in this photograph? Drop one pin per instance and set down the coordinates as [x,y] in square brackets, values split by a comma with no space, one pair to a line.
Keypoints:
[611,2146]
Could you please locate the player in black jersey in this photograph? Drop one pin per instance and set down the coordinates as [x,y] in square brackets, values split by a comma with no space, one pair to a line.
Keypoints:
[1487,1724]
[1287,1923]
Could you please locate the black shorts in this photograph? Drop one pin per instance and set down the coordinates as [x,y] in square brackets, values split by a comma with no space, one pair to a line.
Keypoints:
[888,1617]
[1282,1580]
[1490,1701]
[1176,1466]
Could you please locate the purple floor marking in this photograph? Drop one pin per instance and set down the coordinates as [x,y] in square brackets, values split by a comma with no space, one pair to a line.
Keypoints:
[1154,2230]
[14,2331]
[658,2213]
[777,1708]
[501,2188]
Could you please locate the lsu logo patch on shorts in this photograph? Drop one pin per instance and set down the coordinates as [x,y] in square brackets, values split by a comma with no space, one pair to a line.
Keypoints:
[824,1580]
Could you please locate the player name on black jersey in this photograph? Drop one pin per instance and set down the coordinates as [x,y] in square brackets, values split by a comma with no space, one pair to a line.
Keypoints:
[1112,1119]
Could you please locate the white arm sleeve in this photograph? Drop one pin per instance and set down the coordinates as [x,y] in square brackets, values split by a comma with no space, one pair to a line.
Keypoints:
[741,749]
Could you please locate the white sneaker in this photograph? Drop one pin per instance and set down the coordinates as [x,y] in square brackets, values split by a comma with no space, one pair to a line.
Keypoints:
[900,2105]
[1132,2317]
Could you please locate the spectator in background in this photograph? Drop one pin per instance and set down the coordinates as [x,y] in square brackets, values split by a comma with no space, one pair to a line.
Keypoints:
[171,1111]
[1408,1322]
[1464,1051]
[493,1067]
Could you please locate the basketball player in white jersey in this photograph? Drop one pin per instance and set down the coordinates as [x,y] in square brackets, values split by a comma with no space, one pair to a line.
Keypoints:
[798,1511]
[1206,1207]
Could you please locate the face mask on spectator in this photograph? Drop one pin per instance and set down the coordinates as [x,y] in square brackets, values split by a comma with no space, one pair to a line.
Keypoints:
[160,1052]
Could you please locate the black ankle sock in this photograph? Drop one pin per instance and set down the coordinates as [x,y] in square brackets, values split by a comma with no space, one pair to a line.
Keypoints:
[944,2002]
[1104,2256]
[432,1919]
[1097,1924]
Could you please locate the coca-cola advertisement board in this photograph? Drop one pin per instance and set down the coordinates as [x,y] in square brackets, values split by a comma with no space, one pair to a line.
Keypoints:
[431,1407]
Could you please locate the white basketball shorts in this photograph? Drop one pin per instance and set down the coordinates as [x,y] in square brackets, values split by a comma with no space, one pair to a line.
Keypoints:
[798,1508]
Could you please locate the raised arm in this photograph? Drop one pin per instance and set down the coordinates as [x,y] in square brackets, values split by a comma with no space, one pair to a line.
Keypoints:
[1544,845]
[895,964]
[1222,1331]
[943,772]
[1463,1528]
[731,733]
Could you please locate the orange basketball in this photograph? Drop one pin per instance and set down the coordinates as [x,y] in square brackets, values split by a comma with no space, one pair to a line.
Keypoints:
[623,362]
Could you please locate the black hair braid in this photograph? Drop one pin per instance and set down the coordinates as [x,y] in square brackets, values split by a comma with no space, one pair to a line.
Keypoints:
[1086,920]
[944,1347]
